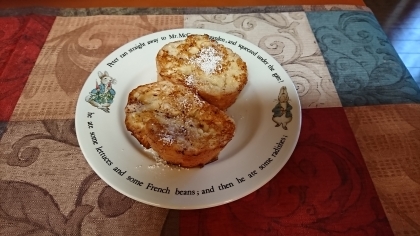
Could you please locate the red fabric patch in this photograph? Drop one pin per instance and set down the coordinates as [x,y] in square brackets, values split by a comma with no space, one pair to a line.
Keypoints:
[21,40]
[324,189]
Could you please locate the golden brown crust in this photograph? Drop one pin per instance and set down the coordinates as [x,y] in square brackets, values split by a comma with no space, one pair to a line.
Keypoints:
[212,70]
[181,127]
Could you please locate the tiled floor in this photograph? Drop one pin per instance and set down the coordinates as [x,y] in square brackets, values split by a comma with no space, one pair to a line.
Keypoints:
[400,20]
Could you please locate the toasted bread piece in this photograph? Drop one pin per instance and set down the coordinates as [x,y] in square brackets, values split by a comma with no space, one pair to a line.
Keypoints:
[181,127]
[212,70]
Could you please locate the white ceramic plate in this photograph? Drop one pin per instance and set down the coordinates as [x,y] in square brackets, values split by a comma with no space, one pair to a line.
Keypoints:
[259,149]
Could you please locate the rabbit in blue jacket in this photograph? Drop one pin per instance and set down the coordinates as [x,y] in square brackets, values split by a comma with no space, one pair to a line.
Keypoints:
[103,95]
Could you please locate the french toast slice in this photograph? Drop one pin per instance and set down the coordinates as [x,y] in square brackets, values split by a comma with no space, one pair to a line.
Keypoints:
[212,70]
[176,123]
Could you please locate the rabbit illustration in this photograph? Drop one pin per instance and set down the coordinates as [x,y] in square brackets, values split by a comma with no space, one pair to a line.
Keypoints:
[103,95]
[282,114]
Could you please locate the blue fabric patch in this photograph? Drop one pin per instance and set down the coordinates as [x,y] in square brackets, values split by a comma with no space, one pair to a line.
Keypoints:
[364,66]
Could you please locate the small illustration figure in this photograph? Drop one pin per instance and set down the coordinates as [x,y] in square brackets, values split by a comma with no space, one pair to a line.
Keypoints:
[282,114]
[103,95]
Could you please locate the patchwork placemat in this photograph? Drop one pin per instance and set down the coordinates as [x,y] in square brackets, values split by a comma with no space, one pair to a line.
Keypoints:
[355,170]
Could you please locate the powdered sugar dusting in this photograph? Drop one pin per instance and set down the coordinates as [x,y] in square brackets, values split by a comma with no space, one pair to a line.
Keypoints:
[173,132]
[189,80]
[160,163]
[167,139]
[183,102]
[198,100]
[208,60]
[185,105]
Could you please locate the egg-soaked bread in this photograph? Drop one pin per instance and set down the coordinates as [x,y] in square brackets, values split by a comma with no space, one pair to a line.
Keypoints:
[212,70]
[176,123]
